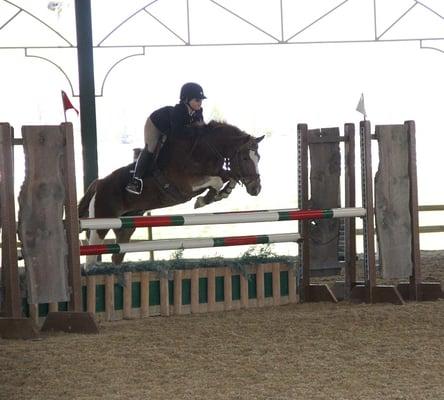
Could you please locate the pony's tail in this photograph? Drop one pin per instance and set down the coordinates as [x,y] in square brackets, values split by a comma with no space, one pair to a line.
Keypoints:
[86,199]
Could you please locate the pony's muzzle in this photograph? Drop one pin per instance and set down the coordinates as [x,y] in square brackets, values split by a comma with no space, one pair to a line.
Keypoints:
[253,188]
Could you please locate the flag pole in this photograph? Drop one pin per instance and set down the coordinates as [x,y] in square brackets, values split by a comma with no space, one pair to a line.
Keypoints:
[64,105]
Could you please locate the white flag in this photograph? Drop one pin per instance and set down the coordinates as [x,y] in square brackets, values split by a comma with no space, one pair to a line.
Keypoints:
[361,106]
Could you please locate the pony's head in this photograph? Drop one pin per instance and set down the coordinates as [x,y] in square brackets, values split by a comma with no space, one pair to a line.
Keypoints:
[241,151]
[244,164]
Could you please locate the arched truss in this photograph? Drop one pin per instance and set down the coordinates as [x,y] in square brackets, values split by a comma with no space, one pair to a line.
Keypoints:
[127,29]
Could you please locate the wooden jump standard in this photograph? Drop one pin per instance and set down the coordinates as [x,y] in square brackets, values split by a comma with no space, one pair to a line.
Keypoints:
[367,290]
[46,148]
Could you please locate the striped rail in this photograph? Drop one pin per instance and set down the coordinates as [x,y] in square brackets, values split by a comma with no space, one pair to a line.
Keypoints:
[218,218]
[192,243]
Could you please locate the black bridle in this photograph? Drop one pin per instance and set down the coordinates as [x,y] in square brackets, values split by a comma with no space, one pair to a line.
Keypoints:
[237,166]
[232,163]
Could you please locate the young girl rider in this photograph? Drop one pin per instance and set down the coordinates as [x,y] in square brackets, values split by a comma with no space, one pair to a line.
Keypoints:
[167,120]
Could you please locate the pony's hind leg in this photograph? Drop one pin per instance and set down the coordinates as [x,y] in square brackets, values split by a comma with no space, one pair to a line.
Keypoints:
[95,237]
[122,236]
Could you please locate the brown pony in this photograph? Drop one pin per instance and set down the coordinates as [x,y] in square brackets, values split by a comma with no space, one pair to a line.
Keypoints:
[215,157]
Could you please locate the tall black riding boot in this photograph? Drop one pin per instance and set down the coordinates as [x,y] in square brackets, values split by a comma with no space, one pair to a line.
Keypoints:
[144,167]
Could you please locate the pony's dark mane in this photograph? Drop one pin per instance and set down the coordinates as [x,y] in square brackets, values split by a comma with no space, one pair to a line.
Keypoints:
[214,125]
[214,131]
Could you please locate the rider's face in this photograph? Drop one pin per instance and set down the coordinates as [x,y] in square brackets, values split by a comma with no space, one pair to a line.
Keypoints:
[195,104]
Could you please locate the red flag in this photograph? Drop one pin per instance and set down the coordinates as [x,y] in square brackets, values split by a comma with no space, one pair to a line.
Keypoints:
[67,103]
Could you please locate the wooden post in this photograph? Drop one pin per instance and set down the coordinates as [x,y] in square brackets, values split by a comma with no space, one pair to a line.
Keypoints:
[371,292]
[195,291]
[260,285]
[304,227]
[415,286]
[350,201]
[109,297]
[416,289]
[308,291]
[34,313]
[145,294]
[276,278]
[91,294]
[292,295]
[10,276]
[127,295]
[12,325]
[53,307]
[164,295]
[40,227]
[367,201]
[72,220]
[178,292]
[66,282]
[244,291]
[211,289]
[228,290]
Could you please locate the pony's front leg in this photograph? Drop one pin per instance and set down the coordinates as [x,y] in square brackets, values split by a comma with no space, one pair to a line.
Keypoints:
[214,195]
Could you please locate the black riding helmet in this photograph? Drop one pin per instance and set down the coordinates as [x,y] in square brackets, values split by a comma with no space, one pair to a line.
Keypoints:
[190,91]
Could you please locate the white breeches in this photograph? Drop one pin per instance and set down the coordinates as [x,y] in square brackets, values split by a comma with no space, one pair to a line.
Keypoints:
[152,136]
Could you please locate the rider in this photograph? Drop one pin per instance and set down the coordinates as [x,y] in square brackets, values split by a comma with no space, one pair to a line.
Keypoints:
[164,121]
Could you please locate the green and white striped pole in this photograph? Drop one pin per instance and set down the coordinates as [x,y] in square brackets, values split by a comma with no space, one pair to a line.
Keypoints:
[218,218]
[194,243]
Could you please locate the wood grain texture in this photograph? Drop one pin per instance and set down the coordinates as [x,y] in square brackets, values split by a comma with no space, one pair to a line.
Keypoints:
[392,198]
[325,171]
[41,203]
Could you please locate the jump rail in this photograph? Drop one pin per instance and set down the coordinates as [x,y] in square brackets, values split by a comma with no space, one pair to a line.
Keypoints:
[219,218]
[191,243]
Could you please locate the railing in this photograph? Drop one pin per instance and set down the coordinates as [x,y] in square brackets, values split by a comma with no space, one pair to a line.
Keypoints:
[427,228]
[422,229]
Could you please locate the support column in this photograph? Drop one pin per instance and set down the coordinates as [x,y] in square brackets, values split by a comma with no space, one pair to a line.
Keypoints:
[87,91]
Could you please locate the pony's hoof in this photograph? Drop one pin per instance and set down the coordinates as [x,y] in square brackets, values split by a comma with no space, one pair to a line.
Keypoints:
[200,202]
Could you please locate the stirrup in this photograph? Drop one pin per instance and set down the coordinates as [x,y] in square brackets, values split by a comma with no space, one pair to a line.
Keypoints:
[135,186]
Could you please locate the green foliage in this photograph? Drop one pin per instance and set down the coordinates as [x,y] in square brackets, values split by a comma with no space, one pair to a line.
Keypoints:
[263,255]
[177,254]
[258,252]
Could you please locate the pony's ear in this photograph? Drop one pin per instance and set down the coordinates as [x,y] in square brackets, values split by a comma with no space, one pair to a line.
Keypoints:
[259,139]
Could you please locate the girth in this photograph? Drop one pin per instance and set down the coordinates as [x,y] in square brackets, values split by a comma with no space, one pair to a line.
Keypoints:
[168,188]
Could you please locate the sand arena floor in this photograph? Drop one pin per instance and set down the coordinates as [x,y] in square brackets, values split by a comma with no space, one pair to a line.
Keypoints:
[311,351]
